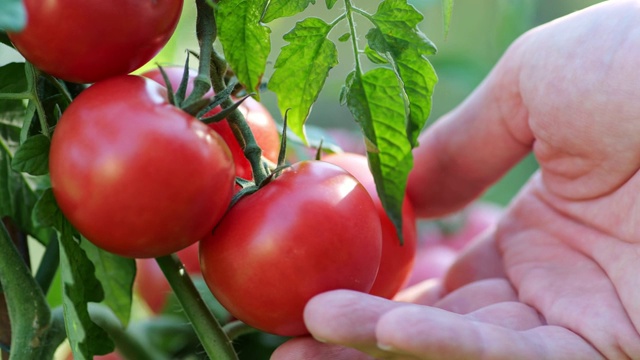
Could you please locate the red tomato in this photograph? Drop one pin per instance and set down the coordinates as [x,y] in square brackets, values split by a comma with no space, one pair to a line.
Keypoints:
[86,41]
[397,261]
[135,175]
[260,121]
[312,229]
[151,283]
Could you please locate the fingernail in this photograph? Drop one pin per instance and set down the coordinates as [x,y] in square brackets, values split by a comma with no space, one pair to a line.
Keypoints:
[385,347]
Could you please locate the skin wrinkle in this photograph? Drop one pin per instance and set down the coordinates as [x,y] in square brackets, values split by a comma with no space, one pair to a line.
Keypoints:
[592,256]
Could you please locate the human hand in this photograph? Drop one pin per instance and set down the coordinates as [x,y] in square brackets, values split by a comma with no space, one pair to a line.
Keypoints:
[557,277]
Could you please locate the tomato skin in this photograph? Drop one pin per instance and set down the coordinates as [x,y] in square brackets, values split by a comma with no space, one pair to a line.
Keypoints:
[86,41]
[312,229]
[397,261]
[134,174]
[258,118]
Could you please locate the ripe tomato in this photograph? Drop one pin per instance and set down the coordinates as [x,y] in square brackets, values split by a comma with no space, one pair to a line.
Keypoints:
[86,41]
[312,229]
[151,283]
[135,175]
[260,121]
[397,261]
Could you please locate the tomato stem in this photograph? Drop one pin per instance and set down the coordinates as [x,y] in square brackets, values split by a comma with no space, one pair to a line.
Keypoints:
[238,124]
[215,342]
[29,313]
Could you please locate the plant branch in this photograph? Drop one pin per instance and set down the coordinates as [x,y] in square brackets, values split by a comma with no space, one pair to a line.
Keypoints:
[354,39]
[29,312]
[215,342]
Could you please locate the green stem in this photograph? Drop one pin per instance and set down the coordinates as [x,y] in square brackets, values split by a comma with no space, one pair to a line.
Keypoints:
[238,124]
[206,32]
[32,74]
[354,39]
[29,312]
[56,334]
[215,342]
[48,265]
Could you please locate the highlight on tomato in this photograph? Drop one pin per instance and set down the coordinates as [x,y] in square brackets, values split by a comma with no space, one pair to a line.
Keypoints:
[134,174]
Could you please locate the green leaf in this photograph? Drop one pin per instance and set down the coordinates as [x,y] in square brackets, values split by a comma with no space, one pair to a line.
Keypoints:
[12,78]
[374,56]
[79,283]
[398,40]
[32,156]
[344,37]
[447,9]
[246,43]
[376,101]
[284,8]
[80,287]
[301,70]
[397,23]
[46,212]
[17,190]
[116,274]
[330,4]
[13,16]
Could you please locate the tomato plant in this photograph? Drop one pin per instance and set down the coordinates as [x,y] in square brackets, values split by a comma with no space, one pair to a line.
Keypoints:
[313,228]
[135,175]
[397,258]
[86,41]
[100,174]
[258,118]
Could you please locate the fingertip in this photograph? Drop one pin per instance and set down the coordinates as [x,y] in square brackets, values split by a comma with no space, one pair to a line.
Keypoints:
[346,317]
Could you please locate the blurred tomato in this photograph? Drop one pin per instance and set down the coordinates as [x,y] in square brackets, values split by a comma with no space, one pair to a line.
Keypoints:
[151,284]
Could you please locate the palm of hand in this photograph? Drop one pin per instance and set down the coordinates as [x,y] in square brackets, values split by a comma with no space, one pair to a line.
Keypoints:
[557,278]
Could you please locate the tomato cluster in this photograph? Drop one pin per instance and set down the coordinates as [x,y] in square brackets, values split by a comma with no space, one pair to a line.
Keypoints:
[140,177]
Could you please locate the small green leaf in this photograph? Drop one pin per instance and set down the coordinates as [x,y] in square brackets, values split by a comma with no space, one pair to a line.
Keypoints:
[330,4]
[32,156]
[284,8]
[344,37]
[397,23]
[46,212]
[13,16]
[80,287]
[376,101]
[12,79]
[246,43]
[301,70]
[116,274]
[447,9]
[374,56]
